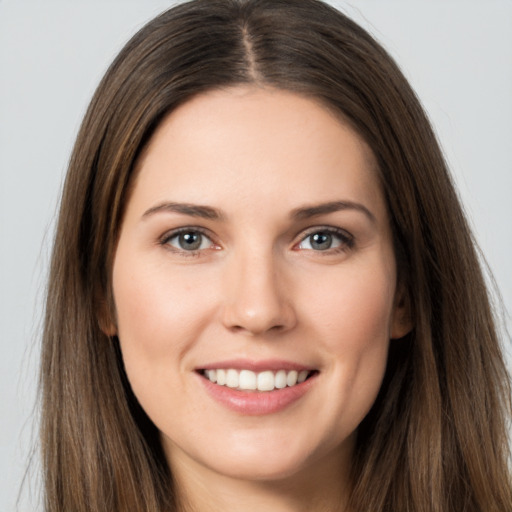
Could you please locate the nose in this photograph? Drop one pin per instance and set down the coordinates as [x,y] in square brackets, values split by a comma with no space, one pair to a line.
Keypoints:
[257,300]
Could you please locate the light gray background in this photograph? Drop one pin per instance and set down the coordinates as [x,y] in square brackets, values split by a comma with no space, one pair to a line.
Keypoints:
[457,55]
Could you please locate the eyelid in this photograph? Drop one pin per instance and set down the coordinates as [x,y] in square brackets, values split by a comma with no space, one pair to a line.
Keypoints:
[168,235]
[346,237]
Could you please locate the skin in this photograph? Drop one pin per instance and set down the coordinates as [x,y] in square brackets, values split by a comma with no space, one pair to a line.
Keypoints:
[256,289]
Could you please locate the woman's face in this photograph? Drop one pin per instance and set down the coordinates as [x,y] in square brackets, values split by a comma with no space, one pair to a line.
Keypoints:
[256,252]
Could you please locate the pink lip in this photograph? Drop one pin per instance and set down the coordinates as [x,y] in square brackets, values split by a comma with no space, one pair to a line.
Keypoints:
[257,403]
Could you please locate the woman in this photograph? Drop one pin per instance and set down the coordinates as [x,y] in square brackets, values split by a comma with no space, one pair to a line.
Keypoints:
[263,290]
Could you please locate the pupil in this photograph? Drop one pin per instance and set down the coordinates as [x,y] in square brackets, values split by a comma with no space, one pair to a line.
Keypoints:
[190,241]
[321,241]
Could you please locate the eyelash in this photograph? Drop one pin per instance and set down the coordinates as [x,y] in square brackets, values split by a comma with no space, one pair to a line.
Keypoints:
[347,241]
[164,241]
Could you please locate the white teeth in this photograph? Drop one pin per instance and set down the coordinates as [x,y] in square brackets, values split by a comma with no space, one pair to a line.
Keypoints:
[247,380]
[280,379]
[232,379]
[303,375]
[291,378]
[221,377]
[266,381]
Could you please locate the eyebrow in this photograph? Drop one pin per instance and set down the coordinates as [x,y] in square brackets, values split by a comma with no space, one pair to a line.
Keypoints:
[331,207]
[302,213]
[193,210]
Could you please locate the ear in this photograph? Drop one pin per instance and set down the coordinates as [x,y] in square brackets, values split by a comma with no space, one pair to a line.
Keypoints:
[401,320]
[106,318]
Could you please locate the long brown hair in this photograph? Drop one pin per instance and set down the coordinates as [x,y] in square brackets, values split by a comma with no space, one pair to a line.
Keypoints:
[435,440]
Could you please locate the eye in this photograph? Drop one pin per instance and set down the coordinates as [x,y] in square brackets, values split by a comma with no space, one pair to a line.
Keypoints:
[326,239]
[188,240]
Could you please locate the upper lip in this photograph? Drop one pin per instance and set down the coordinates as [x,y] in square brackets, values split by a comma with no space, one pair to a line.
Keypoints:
[256,366]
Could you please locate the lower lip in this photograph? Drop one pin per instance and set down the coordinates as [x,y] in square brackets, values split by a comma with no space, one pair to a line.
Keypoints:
[257,403]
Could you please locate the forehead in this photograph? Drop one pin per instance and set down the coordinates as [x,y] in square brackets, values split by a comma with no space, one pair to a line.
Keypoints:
[258,146]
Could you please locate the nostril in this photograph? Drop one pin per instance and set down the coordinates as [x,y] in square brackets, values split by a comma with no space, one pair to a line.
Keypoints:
[255,330]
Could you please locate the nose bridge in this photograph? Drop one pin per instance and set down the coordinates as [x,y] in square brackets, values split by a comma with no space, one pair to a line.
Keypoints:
[256,298]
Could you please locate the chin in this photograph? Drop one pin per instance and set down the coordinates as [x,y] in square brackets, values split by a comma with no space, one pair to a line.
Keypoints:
[268,456]
[262,468]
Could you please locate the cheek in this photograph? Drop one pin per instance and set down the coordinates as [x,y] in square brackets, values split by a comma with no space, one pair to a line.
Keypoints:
[352,318]
[159,314]
[354,309]
[160,317]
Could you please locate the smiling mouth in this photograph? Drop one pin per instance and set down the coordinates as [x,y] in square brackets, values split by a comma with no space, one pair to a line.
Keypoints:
[247,380]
